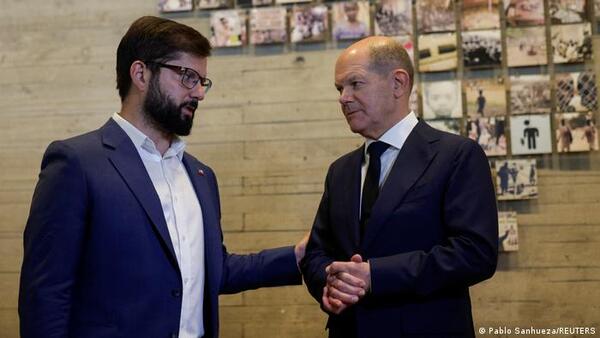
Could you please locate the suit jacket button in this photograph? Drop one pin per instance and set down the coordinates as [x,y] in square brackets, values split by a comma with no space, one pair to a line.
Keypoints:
[176,293]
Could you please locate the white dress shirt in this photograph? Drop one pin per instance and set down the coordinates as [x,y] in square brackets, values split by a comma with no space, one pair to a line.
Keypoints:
[183,215]
[395,137]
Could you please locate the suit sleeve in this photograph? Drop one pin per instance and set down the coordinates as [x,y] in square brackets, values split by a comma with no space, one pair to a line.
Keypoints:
[52,245]
[469,255]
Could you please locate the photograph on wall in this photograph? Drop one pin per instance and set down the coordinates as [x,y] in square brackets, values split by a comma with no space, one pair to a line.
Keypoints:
[441,99]
[448,125]
[489,133]
[530,134]
[393,17]
[213,4]
[350,20]
[309,23]
[437,52]
[576,132]
[524,12]
[258,3]
[566,11]
[597,8]
[530,94]
[435,16]
[526,46]
[228,28]
[485,97]
[267,25]
[482,48]
[516,179]
[168,6]
[282,2]
[576,92]
[571,43]
[480,14]
[508,231]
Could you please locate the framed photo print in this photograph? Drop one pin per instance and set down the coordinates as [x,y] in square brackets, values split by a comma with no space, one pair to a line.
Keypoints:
[267,25]
[228,28]
[526,46]
[530,94]
[437,52]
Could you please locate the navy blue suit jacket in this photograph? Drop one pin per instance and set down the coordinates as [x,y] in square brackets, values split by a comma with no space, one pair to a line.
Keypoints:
[98,258]
[433,232]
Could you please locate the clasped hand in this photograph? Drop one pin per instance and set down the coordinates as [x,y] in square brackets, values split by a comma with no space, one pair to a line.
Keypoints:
[347,283]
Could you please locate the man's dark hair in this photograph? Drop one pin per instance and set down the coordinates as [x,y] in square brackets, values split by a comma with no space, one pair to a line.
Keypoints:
[155,39]
[384,58]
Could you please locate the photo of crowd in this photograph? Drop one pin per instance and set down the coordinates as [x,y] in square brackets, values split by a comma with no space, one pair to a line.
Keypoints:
[482,48]
[571,43]
[489,133]
[526,46]
[530,94]
[435,16]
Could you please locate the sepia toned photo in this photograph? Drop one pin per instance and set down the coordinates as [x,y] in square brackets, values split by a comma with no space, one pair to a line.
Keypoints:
[526,46]
[508,231]
[448,125]
[566,11]
[441,99]
[480,14]
[482,48]
[530,94]
[393,17]
[309,23]
[435,16]
[576,92]
[485,97]
[267,25]
[213,4]
[530,134]
[524,12]
[350,20]
[571,43]
[576,132]
[258,3]
[489,133]
[228,28]
[516,179]
[437,52]
[168,6]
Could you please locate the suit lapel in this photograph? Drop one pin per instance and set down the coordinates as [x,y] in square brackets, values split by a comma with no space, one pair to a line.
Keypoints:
[412,161]
[128,163]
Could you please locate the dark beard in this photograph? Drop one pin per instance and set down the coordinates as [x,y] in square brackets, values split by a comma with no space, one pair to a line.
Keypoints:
[164,114]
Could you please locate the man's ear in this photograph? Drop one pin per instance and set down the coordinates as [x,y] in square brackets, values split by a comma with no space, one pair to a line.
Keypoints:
[401,83]
[140,75]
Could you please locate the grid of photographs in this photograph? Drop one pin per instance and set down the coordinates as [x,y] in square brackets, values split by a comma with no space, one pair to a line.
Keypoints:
[526,46]
[530,94]
[309,23]
[482,48]
[437,52]
[228,28]
[480,14]
[435,16]
[267,25]
[393,17]
[524,12]
[508,235]
[576,92]
[571,43]
[576,132]
[516,179]
[530,134]
[350,20]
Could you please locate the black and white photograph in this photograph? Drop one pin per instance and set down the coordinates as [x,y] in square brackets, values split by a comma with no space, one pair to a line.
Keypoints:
[448,125]
[516,179]
[214,4]
[571,43]
[530,94]
[393,17]
[228,28]
[566,11]
[576,132]
[350,20]
[524,13]
[267,25]
[530,134]
[435,16]
[489,133]
[437,52]
[486,97]
[482,48]
[508,231]
[441,99]
[480,14]
[169,6]
[526,46]
[309,23]
[576,92]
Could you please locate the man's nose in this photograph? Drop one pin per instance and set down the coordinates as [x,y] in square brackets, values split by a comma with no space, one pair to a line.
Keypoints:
[345,96]
[199,92]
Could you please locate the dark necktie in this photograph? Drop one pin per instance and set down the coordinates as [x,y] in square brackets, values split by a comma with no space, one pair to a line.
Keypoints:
[371,185]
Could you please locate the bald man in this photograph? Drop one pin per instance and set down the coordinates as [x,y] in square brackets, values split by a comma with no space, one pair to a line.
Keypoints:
[408,221]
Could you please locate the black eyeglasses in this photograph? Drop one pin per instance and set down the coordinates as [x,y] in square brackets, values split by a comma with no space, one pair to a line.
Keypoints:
[189,77]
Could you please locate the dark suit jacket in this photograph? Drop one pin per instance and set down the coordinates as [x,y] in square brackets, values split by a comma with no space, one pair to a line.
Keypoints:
[98,258]
[433,232]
